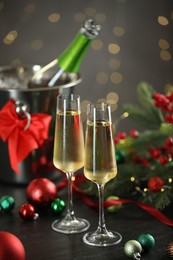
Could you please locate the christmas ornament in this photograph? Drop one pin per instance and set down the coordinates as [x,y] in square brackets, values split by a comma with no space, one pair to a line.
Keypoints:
[163,159]
[114,208]
[147,241]
[41,191]
[169,249]
[57,206]
[122,135]
[155,184]
[134,133]
[11,247]
[133,249]
[22,138]
[120,156]
[27,212]
[7,203]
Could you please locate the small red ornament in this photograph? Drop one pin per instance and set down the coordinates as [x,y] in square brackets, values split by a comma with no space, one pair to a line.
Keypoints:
[169,141]
[134,133]
[11,247]
[163,159]
[144,162]
[154,153]
[155,184]
[27,212]
[122,135]
[116,139]
[41,191]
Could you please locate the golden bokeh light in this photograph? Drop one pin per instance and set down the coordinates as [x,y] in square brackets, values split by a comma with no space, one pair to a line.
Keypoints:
[114,64]
[112,99]
[164,44]
[10,37]
[30,8]
[162,20]
[102,78]
[84,104]
[79,17]
[116,77]
[113,48]
[170,180]
[132,179]
[97,44]
[101,100]
[37,44]
[54,17]
[165,55]
[118,31]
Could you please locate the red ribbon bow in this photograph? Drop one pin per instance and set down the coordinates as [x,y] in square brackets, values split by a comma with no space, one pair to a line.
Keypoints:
[21,141]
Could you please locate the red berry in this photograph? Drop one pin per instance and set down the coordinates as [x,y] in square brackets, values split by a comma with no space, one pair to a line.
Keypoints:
[122,135]
[163,159]
[154,153]
[144,162]
[169,141]
[134,133]
[116,139]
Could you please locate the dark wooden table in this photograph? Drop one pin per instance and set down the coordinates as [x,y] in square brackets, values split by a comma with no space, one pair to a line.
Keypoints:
[42,243]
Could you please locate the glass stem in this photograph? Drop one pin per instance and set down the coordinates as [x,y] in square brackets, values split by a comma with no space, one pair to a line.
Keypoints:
[70,210]
[102,226]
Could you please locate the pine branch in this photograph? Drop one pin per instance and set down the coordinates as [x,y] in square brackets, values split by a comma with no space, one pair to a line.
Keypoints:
[159,200]
[147,114]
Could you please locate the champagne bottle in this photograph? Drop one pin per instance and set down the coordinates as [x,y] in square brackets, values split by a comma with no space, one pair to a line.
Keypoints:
[66,66]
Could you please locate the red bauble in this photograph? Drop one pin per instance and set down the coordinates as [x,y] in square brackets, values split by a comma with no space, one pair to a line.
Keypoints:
[134,133]
[155,184]
[41,191]
[154,153]
[11,247]
[122,135]
[163,159]
[27,212]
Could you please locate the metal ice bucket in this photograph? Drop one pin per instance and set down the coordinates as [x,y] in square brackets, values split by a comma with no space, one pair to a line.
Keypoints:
[38,100]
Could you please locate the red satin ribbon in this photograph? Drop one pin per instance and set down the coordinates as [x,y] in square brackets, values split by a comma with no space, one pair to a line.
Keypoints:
[154,212]
[21,142]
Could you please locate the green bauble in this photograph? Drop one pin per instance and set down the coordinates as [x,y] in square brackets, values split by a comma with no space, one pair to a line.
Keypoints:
[57,206]
[133,249]
[120,156]
[147,241]
[7,203]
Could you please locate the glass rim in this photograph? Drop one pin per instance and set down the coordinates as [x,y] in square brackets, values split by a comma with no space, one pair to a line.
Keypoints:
[100,105]
[67,96]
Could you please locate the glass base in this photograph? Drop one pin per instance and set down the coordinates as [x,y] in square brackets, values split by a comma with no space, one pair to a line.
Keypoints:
[76,225]
[108,238]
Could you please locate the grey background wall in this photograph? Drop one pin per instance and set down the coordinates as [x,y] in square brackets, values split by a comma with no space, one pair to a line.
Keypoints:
[135,43]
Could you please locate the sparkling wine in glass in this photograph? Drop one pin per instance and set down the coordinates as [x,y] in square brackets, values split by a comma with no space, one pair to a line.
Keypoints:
[100,166]
[69,156]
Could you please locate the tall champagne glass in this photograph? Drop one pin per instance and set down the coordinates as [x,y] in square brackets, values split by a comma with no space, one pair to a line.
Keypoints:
[69,156]
[100,166]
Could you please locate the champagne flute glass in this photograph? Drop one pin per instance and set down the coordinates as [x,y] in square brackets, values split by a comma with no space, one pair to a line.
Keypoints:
[100,166]
[69,156]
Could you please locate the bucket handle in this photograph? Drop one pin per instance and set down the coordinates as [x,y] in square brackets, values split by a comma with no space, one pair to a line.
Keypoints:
[22,112]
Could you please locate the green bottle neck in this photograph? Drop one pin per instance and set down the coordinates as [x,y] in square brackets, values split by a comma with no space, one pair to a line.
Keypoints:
[72,57]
